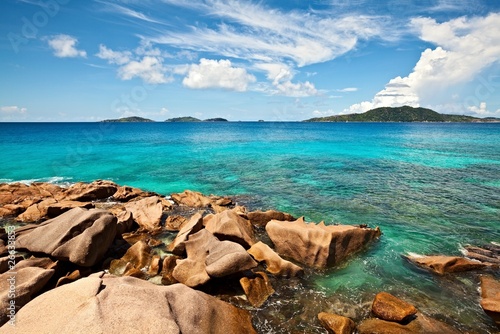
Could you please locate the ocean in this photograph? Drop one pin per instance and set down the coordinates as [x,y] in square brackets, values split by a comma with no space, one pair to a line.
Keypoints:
[432,188]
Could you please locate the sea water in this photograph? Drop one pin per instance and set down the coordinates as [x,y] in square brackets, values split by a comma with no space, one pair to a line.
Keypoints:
[431,188]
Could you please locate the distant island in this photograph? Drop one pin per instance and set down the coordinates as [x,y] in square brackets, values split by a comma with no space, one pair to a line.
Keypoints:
[402,114]
[133,119]
[194,119]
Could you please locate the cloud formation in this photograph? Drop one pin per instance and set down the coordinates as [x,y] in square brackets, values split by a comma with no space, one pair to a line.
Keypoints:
[149,69]
[64,46]
[217,74]
[465,48]
[13,110]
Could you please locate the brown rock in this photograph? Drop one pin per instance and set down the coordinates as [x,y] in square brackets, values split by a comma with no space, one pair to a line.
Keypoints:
[318,245]
[147,212]
[175,223]
[228,225]
[387,307]
[55,209]
[38,262]
[336,324]
[154,266]
[257,289]
[445,264]
[126,193]
[125,219]
[36,212]
[8,262]
[259,218]
[490,297]
[79,236]
[70,277]
[225,258]
[274,263]
[27,195]
[26,282]
[169,264]
[137,258]
[198,200]
[96,190]
[128,305]
[11,210]
[420,325]
[192,226]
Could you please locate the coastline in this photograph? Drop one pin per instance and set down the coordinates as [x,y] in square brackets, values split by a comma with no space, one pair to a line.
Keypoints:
[103,195]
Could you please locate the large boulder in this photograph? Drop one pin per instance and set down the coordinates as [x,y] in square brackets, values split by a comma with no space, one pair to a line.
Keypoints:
[388,307]
[198,200]
[274,263]
[228,225]
[208,257]
[126,193]
[147,212]
[80,236]
[83,192]
[441,265]
[122,305]
[191,227]
[490,297]
[318,245]
[50,208]
[420,325]
[336,324]
[27,195]
[260,218]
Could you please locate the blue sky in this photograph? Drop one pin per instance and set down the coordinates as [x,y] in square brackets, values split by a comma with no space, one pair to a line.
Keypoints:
[68,60]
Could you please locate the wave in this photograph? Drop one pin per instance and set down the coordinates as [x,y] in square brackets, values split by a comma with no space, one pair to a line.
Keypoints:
[59,180]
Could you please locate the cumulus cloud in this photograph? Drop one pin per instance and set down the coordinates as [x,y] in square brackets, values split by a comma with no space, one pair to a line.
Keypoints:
[64,46]
[281,76]
[114,57]
[217,74]
[13,110]
[149,69]
[464,48]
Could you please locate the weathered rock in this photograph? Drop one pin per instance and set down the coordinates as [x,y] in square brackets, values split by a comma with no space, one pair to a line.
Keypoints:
[167,269]
[490,297]
[38,262]
[225,258]
[388,307]
[336,324]
[123,305]
[191,227]
[71,277]
[318,245]
[126,193]
[36,211]
[55,209]
[175,223]
[125,219]
[441,265]
[154,266]
[228,225]
[198,200]
[27,195]
[257,289]
[420,325]
[147,212]
[274,263]
[487,256]
[207,256]
[26,282]
[259,218]
[11,210]
[96,190]
[79,236]
[136,259]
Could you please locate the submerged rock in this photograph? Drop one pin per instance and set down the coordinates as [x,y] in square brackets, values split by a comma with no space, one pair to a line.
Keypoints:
[274,263]
[441,265]
[79,236]
[490,297]
[336,324]
[387,307]
[257,289]
[318,245]
[121,305]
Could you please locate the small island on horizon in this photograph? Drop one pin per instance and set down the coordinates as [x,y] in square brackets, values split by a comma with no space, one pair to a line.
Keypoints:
[184,119]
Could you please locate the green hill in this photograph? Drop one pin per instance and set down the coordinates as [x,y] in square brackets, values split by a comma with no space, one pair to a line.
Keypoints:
[183,119]
[401,114]
[128,120]
[217,119]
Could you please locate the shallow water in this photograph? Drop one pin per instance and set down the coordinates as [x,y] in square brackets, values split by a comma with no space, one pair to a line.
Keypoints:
[430,187]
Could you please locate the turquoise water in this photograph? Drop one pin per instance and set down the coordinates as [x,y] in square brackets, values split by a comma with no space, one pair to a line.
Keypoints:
[430,187]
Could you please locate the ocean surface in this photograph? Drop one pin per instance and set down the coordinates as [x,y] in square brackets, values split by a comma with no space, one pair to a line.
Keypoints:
[432,188]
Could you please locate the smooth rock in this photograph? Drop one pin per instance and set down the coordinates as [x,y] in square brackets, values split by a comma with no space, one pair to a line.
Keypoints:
[55,209]
[274,263]
[26,195]
[84,192]
[79,236]
[125,219]
[260,218]
[441,265]
[36,212]
[11,210]
[228,225]
[126,193]
[226,257]
[318,245]
[490,297]
[257,289]
[198,200]
[123,305]
[421,325]
[336,324]
[147,212]
[194,225]
[388,307]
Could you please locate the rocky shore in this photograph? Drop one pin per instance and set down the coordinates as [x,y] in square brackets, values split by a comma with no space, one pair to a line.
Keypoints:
[103,258]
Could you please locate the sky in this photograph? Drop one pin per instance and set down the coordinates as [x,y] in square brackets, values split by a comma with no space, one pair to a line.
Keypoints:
[275,60]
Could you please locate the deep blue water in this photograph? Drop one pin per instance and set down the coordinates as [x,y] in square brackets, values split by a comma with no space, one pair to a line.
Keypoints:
[430,187]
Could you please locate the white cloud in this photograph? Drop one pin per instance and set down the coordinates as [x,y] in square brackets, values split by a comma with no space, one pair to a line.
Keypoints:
[149,69]
[114,57]
[13,110]
[65,46]
[465,48]
[281,77]
[217,74]
[347,90]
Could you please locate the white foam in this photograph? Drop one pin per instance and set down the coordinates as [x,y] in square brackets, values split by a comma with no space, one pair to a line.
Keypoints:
[415,255]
